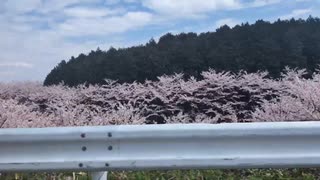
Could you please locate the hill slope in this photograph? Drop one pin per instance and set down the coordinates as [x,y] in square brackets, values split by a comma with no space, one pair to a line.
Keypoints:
[260,46]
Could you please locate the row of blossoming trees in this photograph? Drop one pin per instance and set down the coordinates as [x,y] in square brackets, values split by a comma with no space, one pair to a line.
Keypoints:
[217,98]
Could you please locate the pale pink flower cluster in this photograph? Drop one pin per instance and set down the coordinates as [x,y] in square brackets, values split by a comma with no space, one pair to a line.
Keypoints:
[299,99]
[219,97]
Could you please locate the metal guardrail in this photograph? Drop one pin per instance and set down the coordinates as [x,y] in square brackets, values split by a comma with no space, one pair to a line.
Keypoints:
[170,146]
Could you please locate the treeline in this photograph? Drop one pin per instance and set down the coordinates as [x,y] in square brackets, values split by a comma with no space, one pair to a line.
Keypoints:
[251,47]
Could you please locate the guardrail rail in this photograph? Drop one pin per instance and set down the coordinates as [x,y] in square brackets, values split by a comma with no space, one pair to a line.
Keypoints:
[169,146]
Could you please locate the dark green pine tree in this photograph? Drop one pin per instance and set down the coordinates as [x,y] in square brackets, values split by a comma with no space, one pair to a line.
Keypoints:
[259,46]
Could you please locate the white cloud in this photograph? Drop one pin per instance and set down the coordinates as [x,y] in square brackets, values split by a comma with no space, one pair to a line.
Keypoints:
[85,12]
[41,50]
[227,21]
[130,1]
[58,5]
[260,3]
[111,2]
[45,37]
[21,6]
[196,8]
[6,74]
[104,26]
[297,13]
[16,64]
[189,7]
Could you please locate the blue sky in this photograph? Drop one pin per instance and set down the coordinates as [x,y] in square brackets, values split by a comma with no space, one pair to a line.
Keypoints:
[37,34]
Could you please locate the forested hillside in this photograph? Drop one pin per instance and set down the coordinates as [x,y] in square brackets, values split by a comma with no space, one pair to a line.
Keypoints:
[250,47]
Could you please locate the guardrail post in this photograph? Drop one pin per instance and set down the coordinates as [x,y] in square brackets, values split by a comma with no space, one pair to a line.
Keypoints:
[102,175]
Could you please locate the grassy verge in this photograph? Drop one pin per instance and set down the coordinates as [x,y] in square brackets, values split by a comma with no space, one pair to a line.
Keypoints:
[249,174]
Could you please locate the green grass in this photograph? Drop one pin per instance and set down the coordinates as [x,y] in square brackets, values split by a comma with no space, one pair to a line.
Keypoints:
[249,174]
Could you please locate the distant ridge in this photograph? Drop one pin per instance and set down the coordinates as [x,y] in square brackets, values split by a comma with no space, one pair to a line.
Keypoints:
[259,46]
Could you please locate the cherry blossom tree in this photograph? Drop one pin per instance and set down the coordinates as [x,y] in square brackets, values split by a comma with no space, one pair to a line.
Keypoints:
[219,97]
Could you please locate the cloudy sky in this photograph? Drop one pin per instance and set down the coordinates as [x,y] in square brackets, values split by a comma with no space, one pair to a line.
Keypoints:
[37,34]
